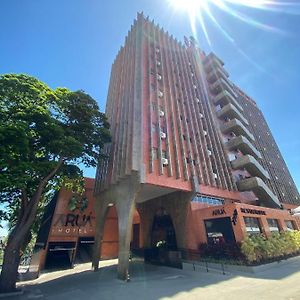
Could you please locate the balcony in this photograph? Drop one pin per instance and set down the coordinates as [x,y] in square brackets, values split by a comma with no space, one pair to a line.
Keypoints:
[212,61]
[224,98]
[213,58]
[249,163]
[242,143]
[215,74]
[220,85]
[232,112]
[238,128]
[261,190]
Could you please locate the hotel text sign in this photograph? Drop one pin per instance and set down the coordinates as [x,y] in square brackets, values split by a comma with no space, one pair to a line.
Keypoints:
[73,224]
[253,211]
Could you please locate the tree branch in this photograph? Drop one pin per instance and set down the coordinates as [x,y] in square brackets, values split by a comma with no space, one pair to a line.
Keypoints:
[30,210]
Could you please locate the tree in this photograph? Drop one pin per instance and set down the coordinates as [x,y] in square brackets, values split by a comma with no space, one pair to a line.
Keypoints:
[44,135]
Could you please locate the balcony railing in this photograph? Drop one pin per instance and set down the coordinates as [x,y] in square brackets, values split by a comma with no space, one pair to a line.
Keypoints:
[260,189]
[213,57]
[230,111]
[224,98]
[215,74]
[249,163]
[243,144]
[238,128]
[220,85]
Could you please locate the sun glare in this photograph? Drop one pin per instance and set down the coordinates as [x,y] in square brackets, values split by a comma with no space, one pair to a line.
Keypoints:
[187,5]
[197,8]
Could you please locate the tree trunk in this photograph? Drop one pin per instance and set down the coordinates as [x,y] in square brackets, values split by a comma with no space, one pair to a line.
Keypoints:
[9,273]
[16,239]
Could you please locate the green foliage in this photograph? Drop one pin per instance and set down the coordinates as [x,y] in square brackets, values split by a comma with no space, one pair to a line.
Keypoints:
[225,251]
[41,129]
[258,248]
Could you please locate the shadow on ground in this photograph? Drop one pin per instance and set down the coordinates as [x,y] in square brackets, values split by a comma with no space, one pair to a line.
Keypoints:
[151,282]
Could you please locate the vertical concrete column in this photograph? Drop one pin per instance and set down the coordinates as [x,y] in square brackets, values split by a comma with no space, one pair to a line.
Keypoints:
[125,208]
[101,208]
[125,195]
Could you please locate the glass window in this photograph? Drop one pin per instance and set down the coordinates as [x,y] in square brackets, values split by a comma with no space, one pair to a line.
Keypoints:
[154,126]
[208,200]
[290,225]
[252,225]
[273,225]
[154,153]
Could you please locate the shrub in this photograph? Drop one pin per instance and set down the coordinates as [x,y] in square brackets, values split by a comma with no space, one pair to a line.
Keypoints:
[258,248]
[221,251]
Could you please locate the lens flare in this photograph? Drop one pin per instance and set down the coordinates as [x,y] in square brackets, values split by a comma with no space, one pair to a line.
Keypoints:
[197,8]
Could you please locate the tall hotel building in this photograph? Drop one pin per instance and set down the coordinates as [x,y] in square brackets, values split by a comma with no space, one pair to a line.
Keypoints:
[190,151]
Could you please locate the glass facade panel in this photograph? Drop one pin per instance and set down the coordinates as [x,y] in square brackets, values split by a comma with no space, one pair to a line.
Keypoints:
[252,225]
[273,225]
[208,200]
[289,224]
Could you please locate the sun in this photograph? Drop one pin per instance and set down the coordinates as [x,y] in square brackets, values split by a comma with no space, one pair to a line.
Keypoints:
[197,9]
[188,5]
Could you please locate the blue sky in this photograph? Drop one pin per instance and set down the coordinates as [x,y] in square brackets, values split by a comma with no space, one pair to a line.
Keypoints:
[73,43]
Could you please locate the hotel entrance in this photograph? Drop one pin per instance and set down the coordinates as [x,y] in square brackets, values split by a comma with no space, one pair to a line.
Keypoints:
[163,249]
[163,232]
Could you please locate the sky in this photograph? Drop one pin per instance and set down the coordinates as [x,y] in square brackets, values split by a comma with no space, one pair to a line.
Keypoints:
[73,43]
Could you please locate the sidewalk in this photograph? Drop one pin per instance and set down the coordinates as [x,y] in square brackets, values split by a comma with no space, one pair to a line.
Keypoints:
[155,282]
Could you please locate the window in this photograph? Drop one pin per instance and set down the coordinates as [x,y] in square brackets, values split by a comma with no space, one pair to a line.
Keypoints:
[289,225]
[252,225]
[154,127]
[154,153]
[163,154]
[153,106]
[208,200]
[273,225]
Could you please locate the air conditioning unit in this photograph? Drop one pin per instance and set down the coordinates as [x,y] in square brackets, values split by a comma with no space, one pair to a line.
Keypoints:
[209,152]
[201,116]
[158,63]
[198,100]
[163,135]
[194,86]
[215,175]
[161,113]
[160,94]
[205,133]
[158,77]
[164,161]
[157,50]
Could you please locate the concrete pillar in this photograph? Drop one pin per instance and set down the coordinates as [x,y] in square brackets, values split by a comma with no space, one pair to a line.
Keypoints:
[125,194]
[101,209]
[125,209]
